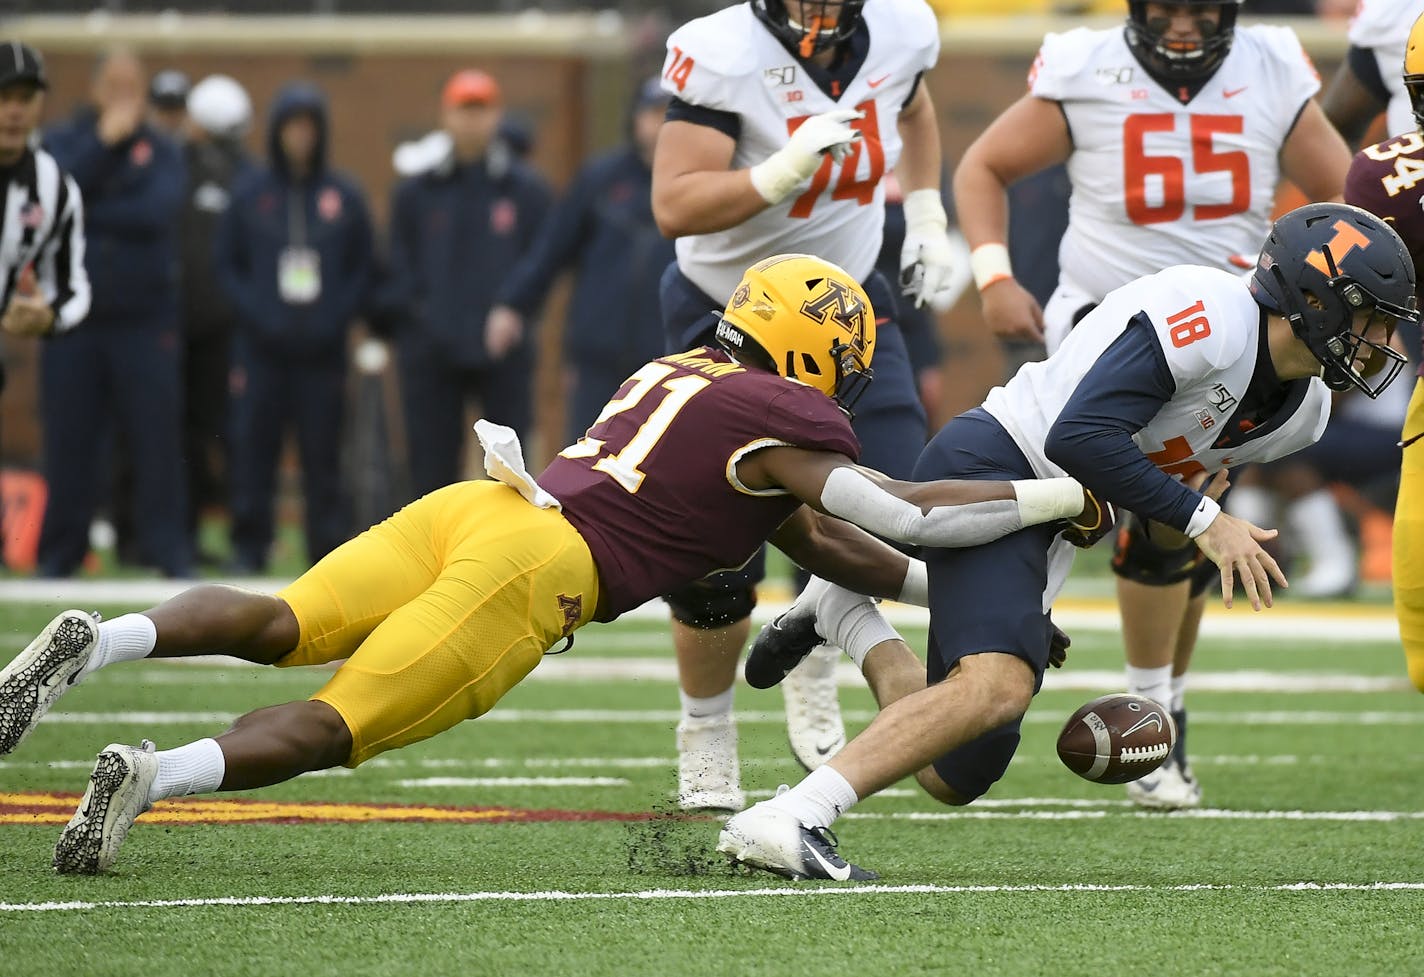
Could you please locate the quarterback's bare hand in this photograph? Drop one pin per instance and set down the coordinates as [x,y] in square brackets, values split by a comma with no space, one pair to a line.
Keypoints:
[1012,312]
[1234,545]
[503,330]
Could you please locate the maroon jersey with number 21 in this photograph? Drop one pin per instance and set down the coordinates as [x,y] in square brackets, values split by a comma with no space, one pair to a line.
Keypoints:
[652,487]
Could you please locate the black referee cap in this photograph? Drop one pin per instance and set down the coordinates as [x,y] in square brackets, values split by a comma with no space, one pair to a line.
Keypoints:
[20,62]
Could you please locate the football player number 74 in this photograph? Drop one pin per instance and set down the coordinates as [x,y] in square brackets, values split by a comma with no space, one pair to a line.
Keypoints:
[848,186]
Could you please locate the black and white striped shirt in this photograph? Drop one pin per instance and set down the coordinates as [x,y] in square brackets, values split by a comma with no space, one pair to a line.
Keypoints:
[42,225]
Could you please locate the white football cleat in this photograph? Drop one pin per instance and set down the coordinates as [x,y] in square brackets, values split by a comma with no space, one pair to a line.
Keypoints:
[708,774]
[813,708]
[769,839]
[1171,787]
[117,795]
[43,672]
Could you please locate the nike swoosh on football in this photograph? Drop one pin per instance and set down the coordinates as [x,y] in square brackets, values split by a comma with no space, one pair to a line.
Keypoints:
[1233,92]
[839,874]
[876,82]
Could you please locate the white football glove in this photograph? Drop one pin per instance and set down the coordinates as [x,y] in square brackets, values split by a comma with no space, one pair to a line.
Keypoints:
[787,168]
[928,259]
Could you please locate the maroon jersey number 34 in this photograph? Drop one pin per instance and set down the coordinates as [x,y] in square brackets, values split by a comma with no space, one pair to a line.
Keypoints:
[652,487]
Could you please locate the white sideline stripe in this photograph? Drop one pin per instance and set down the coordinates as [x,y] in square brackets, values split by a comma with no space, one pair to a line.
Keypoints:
[589,669]
[514,782]
[1284,622]
[847,676]
[790,890]
[1200,814]
[670,717]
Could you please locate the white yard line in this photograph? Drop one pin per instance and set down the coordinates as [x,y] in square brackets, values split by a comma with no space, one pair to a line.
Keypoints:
[1341,622]
[670,717]
[593,669]
[1201,814]
[788,890]
[514,782]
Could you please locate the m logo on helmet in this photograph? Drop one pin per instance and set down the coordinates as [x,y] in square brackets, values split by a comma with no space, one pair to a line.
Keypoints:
[841,305]
[1347,238]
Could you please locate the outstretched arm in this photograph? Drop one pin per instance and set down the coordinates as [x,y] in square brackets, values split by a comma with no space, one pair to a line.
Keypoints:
[844,554]
[942,513]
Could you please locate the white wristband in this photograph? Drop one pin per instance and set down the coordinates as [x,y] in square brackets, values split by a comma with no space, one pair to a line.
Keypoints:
[924,209]
[916,588]
[1207,510]
[990,264]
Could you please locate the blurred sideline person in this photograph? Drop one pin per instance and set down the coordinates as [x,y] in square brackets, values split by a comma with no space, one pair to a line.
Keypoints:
[1175,129]
[219,113]
[442,608]
[1329,288]
[603,225]
[785,117]
[43,286]
[1388,179]
[294,257]
[458,229]
[119,379]
[168,102]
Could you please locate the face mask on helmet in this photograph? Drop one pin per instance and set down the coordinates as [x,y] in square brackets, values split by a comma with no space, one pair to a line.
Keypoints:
[1343,280]
[1149,32]
[1414,70]
[805,319]
[810,26]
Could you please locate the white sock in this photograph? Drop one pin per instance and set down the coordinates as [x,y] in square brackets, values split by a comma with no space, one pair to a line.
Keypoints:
[1154,683]
[1318,528]
[1046,499]
[1179,692]
[695,710]
[124,639]
[819,799]
[806,601]
[197,768]
[852,623]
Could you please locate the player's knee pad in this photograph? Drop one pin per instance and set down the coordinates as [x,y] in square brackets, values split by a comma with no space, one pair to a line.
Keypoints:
[1141,559]
[970,770]
[705,605]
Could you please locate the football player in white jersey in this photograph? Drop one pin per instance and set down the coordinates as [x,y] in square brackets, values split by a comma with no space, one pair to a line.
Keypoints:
[1176,130]
[786,115]
[1131,405]
[1368,81]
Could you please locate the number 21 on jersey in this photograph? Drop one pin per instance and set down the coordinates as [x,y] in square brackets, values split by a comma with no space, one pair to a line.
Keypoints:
[622,465]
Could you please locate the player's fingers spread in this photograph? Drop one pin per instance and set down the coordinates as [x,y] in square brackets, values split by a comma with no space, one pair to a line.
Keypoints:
[1248,583]
[1263,581]
[1274,569]
[1228,584]
[1261,535]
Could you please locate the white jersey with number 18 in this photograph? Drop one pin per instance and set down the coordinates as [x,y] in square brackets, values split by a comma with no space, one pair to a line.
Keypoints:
[729,62]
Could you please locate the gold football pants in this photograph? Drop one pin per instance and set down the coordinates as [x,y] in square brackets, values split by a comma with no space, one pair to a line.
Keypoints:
[1409,543]
[439,611]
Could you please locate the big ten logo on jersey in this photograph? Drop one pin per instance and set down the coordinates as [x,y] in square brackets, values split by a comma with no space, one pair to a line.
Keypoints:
[1407,171]
[1166,173]
[679,68]
[851,183]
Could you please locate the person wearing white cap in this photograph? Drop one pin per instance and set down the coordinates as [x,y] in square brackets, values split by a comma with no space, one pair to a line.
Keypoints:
[219,114]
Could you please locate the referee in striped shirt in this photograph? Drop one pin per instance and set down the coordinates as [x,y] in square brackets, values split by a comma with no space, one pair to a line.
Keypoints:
[43,285]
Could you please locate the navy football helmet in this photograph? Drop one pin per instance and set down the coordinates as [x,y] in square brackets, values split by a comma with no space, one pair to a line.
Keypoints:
[822,24]
[1176,60]
[1335,271]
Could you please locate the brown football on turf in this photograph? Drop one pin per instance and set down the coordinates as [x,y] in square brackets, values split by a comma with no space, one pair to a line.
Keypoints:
[1117,738]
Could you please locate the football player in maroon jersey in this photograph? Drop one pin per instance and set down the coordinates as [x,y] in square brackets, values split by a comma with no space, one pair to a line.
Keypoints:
[438,611]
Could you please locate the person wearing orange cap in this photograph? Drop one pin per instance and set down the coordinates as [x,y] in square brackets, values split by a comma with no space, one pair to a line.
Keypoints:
[459,225]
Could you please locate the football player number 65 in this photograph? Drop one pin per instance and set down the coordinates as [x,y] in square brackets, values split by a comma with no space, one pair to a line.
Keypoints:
[1137,166]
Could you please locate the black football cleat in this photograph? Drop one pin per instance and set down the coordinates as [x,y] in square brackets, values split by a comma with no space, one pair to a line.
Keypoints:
[779,647]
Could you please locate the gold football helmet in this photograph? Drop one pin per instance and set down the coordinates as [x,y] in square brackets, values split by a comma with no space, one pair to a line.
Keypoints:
[1414,70]
[805,319]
